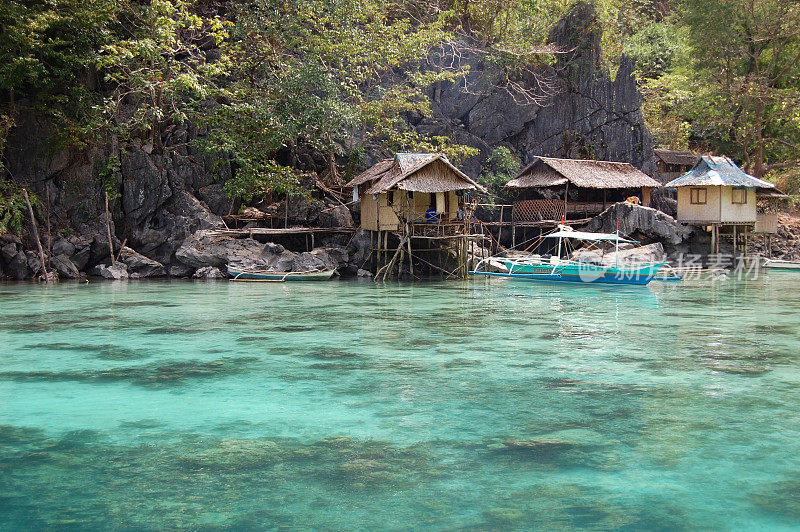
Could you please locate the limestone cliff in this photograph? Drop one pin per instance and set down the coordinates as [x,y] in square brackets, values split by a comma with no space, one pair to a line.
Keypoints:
[160,200]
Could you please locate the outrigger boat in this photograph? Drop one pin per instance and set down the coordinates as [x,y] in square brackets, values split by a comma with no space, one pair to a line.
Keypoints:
[779,264]
[555,268]
[239,274]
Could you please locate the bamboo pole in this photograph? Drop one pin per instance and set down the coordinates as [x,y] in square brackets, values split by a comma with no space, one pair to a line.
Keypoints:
[108,232]
[36,235]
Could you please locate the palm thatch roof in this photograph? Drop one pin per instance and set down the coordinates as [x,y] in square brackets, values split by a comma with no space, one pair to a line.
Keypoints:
[549,172]
[679,157]
[718,171]
[416,172]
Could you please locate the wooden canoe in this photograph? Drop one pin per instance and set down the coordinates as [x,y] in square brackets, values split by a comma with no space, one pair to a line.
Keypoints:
[238,274]
[781,264]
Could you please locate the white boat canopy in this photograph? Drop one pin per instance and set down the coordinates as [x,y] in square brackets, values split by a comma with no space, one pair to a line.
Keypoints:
[592,237]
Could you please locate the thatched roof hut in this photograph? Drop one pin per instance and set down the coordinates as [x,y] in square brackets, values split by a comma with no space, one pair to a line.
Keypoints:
[676,157]
[416,172]
[550,172]
[553,189]
[411,188]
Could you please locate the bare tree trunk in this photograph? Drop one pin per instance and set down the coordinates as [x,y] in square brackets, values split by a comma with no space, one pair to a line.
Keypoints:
[36,235]
[108,232]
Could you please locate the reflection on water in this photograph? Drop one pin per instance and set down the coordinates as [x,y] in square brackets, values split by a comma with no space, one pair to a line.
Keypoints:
[484,404]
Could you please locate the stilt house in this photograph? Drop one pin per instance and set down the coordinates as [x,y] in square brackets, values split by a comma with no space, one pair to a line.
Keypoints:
[719,195]
[421,191]
[672,164]
[555,189]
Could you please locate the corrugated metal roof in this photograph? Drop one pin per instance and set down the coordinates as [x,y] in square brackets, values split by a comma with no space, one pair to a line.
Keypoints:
[549,171]
[677,157]
[397,173]
[718,171]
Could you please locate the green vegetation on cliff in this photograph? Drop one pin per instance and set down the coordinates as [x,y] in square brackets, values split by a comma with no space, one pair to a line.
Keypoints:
[286,89]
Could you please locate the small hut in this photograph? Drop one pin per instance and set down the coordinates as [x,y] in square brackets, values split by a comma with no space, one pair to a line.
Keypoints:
[671,164]
[720,196]
[416,196]
[555,189]
[423,190]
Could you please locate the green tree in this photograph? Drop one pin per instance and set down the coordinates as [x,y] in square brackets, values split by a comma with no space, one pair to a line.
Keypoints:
[311,76]
[746,66]
[159,65]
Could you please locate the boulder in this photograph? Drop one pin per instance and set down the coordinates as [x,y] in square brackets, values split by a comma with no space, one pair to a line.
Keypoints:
[335,256]
[635,219]
[8,252]
[62,246]
[83,249]
[200,250]
[364,274]
[17,267]
[628,254]
[34,263]
[338,216]
[209,272]
[9,238]
[139,266]
[309,261]
[116,272]
[66,268]
[180,270]
[359,249]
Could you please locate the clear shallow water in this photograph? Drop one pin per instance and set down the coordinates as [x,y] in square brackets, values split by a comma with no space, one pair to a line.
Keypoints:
[478,405]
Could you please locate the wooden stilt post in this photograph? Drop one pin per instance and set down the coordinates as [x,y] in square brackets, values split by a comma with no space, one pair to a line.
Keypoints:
[735,243]
[36,235]
[513,234]
[108,232]
[410,258]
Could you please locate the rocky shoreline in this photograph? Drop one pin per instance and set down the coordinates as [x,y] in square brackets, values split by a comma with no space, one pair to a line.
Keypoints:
[206,255]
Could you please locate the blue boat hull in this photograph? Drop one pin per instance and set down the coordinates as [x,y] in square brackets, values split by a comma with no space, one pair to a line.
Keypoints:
[604,279]
[578,273]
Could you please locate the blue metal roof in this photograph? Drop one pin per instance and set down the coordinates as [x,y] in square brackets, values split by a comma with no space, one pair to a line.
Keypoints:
[718,171]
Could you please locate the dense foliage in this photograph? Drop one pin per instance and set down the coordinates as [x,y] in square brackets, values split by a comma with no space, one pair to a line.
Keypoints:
[289,89]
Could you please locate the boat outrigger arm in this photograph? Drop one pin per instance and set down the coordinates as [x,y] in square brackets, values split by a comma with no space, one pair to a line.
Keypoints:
[537,267]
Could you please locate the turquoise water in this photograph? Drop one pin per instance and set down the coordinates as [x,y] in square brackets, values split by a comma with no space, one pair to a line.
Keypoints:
[486,404]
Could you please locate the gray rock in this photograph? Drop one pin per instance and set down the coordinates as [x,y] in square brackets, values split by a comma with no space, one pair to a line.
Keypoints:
[180,270]
[17,267]
[635,219]
[209,272]
[308,262]
[66,268]
[273,248]
[8,252]
[145,186]
[62,246]
[334,256]
[364,274]
[359,249]
[116,272]
[336,217]
[139,266]
[627,255]
[34,263]
[218,202]
[8,238]
[200,250]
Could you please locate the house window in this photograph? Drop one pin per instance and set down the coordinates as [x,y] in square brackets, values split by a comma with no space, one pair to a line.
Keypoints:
[739,196]
[390,198]
[698,196]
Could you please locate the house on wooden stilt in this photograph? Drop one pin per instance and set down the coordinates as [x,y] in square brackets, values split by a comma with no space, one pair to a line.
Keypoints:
[552,190]
[415,198]
[719,196]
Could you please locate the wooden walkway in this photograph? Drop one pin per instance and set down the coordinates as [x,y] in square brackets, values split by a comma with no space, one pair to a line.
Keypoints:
[269,231]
